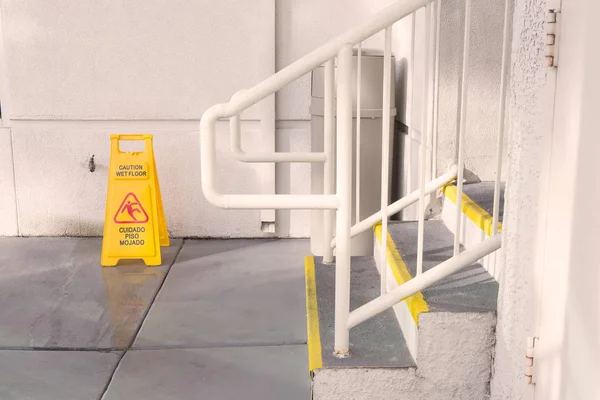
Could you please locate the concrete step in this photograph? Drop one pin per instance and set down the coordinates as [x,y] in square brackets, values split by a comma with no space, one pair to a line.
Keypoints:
[381,365]
[449,327]
[376,343]
[469,290]
[476,219]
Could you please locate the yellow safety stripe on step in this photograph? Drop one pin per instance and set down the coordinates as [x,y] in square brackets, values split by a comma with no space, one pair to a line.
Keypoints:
[416,303]
[315,357]
[472,210]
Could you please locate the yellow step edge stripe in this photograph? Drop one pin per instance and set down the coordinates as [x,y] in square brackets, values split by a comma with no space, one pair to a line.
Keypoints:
[416,303]
[315,355]
[472,210]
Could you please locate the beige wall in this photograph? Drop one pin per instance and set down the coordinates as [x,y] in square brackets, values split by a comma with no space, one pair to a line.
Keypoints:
[78,71]
[73,72]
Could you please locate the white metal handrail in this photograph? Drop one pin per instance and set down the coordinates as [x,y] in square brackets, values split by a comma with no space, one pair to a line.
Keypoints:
[339,198]
[241,155]
[424,280]
[401,204]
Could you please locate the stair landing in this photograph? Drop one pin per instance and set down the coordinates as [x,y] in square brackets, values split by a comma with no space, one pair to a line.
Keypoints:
[376,343]
[472,289]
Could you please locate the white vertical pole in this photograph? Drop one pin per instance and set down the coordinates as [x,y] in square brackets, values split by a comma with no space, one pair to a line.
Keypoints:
[344,193]
[329,166]
[463,127]
[429,100]
[501,114]
[436,90]
[411,101]
[357,167]
[424,139]
[267,107]
[385,153]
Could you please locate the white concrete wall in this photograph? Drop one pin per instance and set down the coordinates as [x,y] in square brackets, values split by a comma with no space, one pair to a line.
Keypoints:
[567,355]
[531,99]
[80,71]
[76,72]
[483,96]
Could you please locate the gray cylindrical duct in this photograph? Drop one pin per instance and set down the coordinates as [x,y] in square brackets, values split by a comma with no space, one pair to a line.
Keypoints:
[371,126]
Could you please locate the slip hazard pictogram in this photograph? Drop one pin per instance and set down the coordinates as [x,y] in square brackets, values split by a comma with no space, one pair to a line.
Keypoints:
[131,211]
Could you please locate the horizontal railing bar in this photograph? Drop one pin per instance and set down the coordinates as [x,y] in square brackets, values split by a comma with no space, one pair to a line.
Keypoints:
[208,150]
[304,65]
[402,203]
[277,157]
[277,201]
[280,157]
[423,281]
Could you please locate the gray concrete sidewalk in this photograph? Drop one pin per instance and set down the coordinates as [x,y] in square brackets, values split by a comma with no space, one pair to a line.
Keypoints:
[221,319]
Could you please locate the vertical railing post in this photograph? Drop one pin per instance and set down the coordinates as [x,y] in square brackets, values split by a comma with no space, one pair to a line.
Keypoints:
[436,89]
[344,193]
[424,140]
[385,153]
[408,154]
[463,128]
[358,145]
[329,166]
[501,114]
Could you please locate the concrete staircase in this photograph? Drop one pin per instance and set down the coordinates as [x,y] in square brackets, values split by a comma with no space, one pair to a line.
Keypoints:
[437,344]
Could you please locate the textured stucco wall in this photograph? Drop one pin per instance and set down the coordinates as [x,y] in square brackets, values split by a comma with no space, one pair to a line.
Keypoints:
[531,99]
[483,94]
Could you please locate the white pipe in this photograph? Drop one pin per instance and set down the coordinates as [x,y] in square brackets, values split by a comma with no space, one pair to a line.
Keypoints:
[385,154]
[430,89]
[463,127]
[267,171]
[401,204]
[245,201]
[344,191]
[329,149]
[424,142]
[387,16]
[423,281]
[236,147]
[358,123]
[436,89]
[501,114]
[410,126]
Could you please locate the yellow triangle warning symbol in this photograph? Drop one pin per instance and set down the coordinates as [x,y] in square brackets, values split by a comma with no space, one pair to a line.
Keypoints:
[131,211]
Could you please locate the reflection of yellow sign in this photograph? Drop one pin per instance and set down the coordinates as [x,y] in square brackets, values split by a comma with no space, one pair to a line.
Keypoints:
[134,223]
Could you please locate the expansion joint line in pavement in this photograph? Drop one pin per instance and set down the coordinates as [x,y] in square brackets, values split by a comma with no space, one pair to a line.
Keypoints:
[135,335]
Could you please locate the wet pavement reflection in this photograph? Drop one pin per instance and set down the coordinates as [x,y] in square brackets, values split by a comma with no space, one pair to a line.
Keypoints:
[55,294]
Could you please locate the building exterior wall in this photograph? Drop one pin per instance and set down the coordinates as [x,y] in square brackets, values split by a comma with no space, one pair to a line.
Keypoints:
[483,91]
[76,72]
[529,128]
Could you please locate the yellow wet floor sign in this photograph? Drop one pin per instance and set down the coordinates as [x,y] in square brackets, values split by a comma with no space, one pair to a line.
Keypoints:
[134,223]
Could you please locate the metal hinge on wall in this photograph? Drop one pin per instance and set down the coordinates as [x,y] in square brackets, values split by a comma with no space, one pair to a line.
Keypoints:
[530,360]
[552,30]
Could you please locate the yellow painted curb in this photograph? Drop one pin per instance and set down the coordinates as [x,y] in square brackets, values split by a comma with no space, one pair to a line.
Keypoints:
[315,357]
[472,210]
[416,303]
